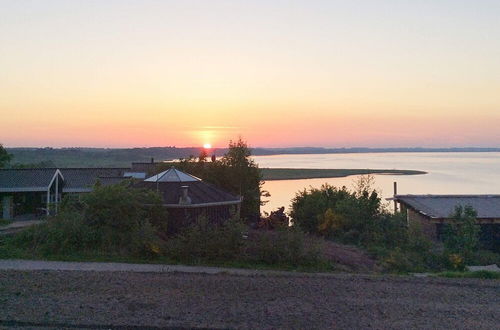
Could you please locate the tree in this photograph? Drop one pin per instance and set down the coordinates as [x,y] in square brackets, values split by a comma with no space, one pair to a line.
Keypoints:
[244,178]
[462,235]
[5,157]
[236,172]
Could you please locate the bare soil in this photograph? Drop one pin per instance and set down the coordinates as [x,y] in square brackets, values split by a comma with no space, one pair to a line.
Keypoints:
[59,299]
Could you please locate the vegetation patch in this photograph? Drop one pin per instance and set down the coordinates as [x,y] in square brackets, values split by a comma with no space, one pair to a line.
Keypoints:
[359,218]
[270,174]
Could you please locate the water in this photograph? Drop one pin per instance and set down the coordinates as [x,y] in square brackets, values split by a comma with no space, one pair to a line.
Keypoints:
[448,173]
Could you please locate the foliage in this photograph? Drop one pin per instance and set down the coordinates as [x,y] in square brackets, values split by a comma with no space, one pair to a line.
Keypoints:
[330,223]
[358,217]
[285,247]
[207,242]
[112,220]
[329,209]
[122,209]
[5,157]
[235,172]
[462,235]
[65,234]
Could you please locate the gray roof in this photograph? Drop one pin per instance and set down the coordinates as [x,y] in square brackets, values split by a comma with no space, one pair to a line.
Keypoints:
[37,179]
[442,206]
[82,179]
[200,192]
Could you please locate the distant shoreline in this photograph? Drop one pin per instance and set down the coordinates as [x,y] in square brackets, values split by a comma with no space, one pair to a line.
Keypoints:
[109,157]
[275,174]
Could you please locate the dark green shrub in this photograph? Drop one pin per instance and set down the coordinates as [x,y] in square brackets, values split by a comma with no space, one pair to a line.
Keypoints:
[58,236]
[122,208]
[204,241]
[462,235]
[283,247]
[355,210]
[112,220]
[485,257]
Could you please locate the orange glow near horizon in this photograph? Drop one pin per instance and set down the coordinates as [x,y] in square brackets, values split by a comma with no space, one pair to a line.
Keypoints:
[144,74]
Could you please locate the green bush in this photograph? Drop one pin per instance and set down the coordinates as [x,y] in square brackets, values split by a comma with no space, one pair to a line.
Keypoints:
[112,220]
[462,235]
[314,209]
[122,208]
[207,242]
[283,247]
[60,235]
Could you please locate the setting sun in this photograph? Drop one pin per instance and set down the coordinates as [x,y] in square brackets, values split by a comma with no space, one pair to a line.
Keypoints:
[207,146]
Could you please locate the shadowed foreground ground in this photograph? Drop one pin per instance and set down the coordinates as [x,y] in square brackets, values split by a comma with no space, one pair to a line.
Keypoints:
[105,299]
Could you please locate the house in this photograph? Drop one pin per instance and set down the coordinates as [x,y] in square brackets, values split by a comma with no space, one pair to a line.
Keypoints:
[433,211]
[38,191]
[29,191]
[187,197]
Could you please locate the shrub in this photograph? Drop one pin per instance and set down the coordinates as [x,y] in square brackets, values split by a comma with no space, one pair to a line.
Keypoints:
[204,241]
[357,210]
[462,235]
[288,247]
[112,220]
[122,208]
[68,234]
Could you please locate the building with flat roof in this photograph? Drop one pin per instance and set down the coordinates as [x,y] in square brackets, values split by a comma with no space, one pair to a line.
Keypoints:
[432,212]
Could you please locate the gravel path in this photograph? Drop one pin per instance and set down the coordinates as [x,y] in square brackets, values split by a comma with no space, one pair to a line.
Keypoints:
[61,299]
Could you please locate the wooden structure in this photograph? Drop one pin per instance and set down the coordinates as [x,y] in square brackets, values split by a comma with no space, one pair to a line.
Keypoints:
[433,211]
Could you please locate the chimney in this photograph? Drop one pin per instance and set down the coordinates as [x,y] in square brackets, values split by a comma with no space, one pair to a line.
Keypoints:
[152,160]
[184,199]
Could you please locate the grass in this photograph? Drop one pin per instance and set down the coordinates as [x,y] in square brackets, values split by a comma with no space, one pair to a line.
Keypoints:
[12,253]
[484,274]
[303,173]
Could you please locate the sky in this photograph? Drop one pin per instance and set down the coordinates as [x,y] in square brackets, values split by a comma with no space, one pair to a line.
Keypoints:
[374,73]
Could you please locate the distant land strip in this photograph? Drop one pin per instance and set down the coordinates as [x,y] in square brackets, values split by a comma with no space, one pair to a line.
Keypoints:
[271,174]
[122,157]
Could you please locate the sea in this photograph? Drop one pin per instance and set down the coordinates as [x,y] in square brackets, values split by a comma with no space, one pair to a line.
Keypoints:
[447,173]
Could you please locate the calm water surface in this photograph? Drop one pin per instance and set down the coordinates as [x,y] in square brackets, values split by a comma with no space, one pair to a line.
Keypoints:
[448,173]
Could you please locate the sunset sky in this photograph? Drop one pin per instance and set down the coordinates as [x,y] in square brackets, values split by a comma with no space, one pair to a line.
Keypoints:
[279,73]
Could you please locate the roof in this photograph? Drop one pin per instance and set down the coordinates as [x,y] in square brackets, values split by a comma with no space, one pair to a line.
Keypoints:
[443,206]
[198,191]
[172,175]
[38,179]
[19,180]
[82,179]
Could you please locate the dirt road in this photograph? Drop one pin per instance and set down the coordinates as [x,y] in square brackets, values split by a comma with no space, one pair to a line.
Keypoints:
[60,299]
